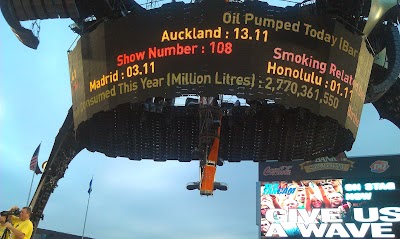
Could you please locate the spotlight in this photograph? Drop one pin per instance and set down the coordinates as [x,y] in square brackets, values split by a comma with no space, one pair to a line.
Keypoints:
[220,186]
[193,186]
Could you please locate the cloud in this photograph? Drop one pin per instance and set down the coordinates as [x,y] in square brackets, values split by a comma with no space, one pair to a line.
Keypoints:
[145,175]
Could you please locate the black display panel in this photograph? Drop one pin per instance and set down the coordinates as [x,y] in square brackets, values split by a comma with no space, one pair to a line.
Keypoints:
[242,49]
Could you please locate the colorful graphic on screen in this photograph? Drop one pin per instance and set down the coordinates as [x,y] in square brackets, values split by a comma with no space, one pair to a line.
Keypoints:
[322,208]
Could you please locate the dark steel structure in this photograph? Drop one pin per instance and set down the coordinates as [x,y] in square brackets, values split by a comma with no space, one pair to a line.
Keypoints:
[271,131]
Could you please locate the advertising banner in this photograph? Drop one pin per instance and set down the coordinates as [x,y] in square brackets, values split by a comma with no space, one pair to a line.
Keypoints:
[331,167]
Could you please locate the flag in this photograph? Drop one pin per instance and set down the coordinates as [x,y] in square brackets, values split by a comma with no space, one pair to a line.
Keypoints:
[34,166]
[90,186]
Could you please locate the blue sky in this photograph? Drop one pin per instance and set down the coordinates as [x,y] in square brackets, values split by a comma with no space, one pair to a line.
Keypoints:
[141,199]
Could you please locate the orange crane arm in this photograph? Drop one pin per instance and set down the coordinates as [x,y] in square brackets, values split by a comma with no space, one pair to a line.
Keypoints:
[208,177]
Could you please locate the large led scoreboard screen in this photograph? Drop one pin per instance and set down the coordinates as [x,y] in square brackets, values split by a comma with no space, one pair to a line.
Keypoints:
[323,208]
[212,48]
[330,207]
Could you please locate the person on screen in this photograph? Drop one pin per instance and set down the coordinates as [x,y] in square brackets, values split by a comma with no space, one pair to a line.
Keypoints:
[291,228]
[287,204]
[299,195]
[336,201]
[266,201]
[264,226]
[290,204]
[316,196]
[265,205]
[336,184]
[328,188]
[316,202]
[301,198]
[333,185]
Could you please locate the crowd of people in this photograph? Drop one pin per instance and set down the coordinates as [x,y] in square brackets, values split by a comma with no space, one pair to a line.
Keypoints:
[306,194]
[16,226]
